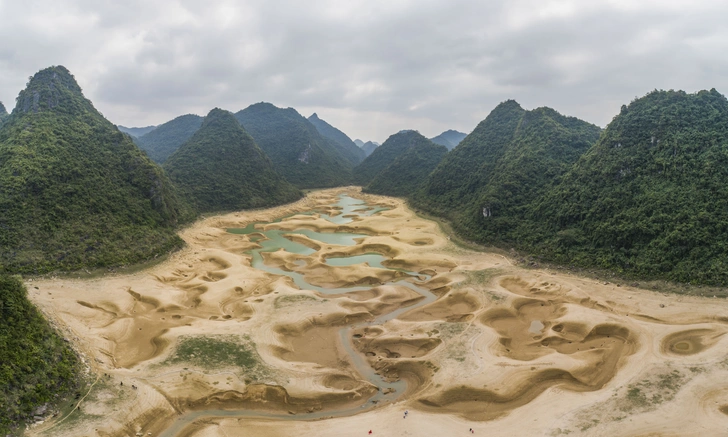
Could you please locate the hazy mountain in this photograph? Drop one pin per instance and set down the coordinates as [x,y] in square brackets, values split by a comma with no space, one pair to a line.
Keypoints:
[385,155]
[342,142]
[449,138]
[75,192]
[358,142]
[37,366]
[486,184]
[298,151]
[222,169]
[136,131]
[166,138]
[406,174]
[369,147]
[650,198]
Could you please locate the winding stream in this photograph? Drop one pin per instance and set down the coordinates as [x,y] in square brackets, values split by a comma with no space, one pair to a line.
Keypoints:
[275,240]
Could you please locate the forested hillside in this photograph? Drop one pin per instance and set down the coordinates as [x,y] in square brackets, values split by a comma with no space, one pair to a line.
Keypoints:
[487,184]
[222,169]
[408,172]
[651,197]
[385,154]
[298,151]
[168,137]
[36,366]
[74,191]
[341,141]
[3,113]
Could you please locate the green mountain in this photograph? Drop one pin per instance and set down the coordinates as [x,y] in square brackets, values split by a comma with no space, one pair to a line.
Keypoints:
[298,151]
[406,174]
[74,191]
[222,169]
[369,147]
[358,142]
[166,138]
[650,198]
[3,113]
[341,141]
[449,138]
[385,155]
[37,366]
[486,184]
[136,132]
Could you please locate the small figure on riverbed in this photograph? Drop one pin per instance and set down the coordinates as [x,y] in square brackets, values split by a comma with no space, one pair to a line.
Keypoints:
[370,431]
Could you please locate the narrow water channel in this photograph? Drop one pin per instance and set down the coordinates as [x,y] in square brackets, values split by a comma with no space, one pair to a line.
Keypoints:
[274,240]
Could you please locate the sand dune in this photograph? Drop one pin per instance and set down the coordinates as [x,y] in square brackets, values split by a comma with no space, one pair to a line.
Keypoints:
[216,347]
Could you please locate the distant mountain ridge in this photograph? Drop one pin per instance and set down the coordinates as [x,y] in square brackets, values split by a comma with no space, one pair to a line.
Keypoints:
[75,192]
[358,142]
[385,155]
[408,172]
[162,141]
[136,131]
[343,143]
[222,169]
[298,151]
[449,138]
[369,147]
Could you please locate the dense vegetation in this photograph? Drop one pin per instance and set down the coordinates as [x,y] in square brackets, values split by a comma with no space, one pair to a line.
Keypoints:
[511,159]
[74,191]
[341,141]
[298,151]
[36,366]
[369,147]
[650,198]
[406,174]
[449,138]
[221,168]
[385,154]
[3,113]
[161,142]
[136,132]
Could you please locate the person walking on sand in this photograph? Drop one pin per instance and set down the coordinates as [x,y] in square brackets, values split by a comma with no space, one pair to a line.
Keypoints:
[370,431]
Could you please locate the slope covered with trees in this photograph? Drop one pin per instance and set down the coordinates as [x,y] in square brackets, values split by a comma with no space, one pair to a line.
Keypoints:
[341,141]
[37,367]
[408,172]
[386,154]
[221,168]
[651,197]
[3,113]
[487,184]
[298,151]
[161,142]
[449,138]
[74,191]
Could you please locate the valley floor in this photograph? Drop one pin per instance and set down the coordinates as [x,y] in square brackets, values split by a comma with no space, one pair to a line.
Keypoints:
[183,347]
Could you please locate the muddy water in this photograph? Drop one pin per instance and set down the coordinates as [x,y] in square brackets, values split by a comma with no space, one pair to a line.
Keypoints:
[274,240]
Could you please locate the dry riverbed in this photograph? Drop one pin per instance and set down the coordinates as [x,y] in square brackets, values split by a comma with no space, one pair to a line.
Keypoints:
[502,350]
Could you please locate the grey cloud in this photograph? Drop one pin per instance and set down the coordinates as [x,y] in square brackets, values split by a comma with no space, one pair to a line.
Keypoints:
[368,67]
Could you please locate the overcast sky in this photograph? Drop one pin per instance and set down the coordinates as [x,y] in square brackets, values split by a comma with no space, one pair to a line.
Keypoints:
[368,67]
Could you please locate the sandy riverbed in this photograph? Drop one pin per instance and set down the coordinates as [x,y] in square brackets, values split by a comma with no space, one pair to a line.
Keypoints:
[503,350]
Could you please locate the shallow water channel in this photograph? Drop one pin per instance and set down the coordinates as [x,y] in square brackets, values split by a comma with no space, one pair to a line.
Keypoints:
[274,240]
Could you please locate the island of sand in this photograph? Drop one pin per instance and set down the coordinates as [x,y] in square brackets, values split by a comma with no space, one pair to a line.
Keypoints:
[336,314]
